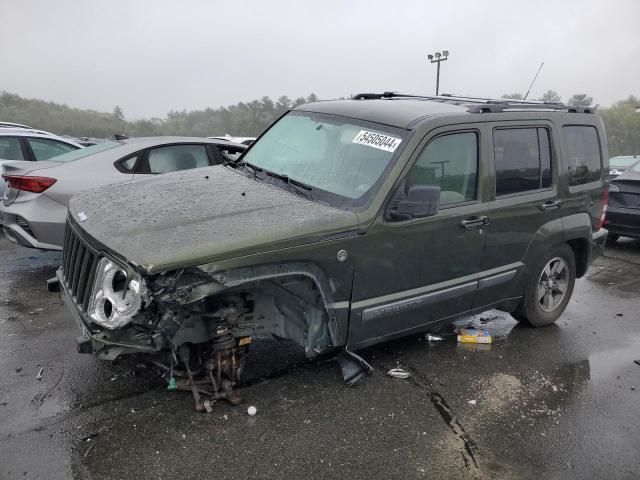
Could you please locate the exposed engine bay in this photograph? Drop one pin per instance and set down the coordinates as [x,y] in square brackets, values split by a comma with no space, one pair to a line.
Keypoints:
[198,326]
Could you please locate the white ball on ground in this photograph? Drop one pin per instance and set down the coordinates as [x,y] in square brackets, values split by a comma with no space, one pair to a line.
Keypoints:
[252,411]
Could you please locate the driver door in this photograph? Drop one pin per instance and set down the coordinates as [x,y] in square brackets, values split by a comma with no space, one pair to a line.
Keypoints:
[412,273]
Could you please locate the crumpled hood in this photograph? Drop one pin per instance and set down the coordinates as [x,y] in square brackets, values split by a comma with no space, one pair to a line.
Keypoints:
[198,216]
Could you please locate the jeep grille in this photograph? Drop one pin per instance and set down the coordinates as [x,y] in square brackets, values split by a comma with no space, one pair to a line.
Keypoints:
[79,262]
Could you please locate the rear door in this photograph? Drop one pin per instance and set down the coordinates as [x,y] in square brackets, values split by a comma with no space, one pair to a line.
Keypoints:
[525,158]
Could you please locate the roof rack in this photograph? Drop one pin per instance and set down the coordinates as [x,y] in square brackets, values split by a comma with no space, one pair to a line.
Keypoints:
[480,104]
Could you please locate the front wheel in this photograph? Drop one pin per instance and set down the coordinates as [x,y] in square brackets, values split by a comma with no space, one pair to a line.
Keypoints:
[549,288]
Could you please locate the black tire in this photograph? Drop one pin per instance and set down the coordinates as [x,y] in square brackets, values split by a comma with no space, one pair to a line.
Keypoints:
[543,301]
[612,238]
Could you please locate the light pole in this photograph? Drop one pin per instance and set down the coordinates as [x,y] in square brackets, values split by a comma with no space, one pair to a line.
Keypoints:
[439,57]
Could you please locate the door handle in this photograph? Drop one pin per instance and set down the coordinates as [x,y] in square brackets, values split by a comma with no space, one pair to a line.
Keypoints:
[473,222]
[551,205]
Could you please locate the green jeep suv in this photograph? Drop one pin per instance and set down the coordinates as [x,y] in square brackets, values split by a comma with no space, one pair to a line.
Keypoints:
[347,223]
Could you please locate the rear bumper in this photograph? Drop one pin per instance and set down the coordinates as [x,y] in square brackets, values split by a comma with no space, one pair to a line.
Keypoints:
[37,223]
[623,221]
[598,240]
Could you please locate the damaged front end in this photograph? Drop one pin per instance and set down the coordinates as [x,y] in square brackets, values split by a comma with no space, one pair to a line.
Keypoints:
[196,322]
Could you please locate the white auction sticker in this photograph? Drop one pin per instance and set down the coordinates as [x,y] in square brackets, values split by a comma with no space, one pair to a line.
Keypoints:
[377,140]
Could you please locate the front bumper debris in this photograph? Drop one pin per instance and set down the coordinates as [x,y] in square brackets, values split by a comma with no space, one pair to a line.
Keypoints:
[107,345]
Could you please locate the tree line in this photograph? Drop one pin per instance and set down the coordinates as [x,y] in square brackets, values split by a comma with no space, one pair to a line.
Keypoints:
[622,119]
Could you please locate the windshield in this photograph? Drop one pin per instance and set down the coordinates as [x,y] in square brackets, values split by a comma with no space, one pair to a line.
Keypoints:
[85,152]
[341,160]
[622,162]
[636,168]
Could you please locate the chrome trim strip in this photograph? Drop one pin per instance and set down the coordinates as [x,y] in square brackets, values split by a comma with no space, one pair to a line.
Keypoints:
[496,279]
[338,305]
[417,302]
[392,297]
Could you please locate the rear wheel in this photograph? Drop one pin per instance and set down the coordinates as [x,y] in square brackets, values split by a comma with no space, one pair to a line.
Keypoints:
[549,288]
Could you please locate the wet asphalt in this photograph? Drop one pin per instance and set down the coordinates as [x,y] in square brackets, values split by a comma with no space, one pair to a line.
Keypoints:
[558,402]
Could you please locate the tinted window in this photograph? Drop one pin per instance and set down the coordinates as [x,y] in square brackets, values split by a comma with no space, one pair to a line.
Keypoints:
[451,163]
[177,157]
[622,162]
[583,154]
[44,149]
[86,152]
[523,160]
[129,163]
[10,149]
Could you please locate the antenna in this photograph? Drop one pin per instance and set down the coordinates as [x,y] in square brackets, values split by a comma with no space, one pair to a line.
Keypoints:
[533,81]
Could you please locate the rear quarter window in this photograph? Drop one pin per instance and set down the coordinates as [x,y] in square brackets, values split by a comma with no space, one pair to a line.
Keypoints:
[583,159]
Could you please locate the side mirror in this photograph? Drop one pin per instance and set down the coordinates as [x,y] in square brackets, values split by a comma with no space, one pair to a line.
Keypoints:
[414,201]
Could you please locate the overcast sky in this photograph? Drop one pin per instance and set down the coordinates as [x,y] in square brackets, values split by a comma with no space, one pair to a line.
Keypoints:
[150,57]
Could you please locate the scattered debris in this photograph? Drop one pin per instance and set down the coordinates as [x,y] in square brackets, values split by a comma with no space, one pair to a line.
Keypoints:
[633,387]
[485,320]
[433,338]
[472,402]
[18,370]
[89,449]
[252,411]
[398,373]
[619,314]
[39,375]
[637,362]
[354,368]
[471,335]
[207,405]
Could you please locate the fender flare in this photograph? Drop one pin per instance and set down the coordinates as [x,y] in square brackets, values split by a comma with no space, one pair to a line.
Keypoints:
[238,276]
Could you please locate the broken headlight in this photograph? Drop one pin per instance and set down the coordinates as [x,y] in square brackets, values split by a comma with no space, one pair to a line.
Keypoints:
[116,297]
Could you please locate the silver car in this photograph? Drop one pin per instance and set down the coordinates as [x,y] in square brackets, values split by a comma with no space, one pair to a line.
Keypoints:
[29,144]
[34,204]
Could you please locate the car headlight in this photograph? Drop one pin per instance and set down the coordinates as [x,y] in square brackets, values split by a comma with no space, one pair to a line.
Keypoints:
[613,187]
[116,297]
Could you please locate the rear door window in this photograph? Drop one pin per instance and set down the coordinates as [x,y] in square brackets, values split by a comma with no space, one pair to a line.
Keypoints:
[10,149]
[44,148]
[584,162]
[177,157]
[523,160]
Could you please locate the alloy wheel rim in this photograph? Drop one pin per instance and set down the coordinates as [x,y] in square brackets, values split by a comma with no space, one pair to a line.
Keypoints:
[553,284]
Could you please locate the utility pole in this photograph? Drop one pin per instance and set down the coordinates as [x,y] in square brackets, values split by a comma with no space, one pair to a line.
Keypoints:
[439,57]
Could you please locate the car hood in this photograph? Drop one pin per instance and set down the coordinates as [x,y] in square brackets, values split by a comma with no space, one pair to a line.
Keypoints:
[628,175]
[199,216]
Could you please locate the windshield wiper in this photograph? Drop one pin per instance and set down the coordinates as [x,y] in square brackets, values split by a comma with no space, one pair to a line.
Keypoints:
[296,184]
[252,167]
